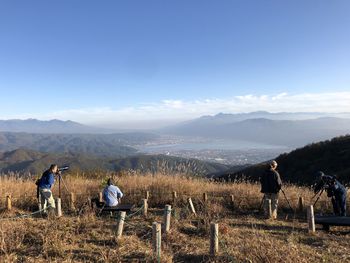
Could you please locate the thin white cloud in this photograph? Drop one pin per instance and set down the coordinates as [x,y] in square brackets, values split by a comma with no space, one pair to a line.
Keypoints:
[173,110]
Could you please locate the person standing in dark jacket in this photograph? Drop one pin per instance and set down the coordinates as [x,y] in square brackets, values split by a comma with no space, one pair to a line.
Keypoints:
[270,186]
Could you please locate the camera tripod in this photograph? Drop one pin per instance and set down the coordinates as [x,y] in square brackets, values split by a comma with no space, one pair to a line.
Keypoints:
[319,195]
[284,194]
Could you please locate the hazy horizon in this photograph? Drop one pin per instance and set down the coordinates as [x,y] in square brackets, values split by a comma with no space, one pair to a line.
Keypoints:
[155,62]
[124,125]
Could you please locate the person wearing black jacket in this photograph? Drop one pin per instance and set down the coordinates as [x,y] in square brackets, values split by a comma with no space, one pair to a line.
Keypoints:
[270,186]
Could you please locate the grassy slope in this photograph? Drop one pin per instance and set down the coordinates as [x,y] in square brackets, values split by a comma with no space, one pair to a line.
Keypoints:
[244,234]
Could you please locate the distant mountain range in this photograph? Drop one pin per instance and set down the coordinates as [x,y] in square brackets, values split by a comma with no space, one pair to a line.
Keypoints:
[52,126]
[107,145]
[291,133]
[300,165]
[285,129]
[29,161]
[222,118]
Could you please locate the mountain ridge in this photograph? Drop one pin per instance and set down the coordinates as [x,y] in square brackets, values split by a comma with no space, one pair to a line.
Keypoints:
[291,133]
[117,144]
[28,161]
[53,126]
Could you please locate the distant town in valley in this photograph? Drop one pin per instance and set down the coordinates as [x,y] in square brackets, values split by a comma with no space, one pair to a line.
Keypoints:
[220,151]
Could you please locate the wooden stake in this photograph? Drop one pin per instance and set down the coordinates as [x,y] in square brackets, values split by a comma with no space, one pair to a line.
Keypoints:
[145,207]
[100,197]
[167,217]
[191,206]
[8,202]
[301,204]
[39,203]
[214,239]
[121,224]
[205,197]
[147,195]
[89,203]
[157,240]
[311,219]
[59,208]
[72,202]
[232,197]
[174,196]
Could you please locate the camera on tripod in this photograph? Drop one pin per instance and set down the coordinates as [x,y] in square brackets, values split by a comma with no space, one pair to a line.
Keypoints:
[325,183]
[63,168]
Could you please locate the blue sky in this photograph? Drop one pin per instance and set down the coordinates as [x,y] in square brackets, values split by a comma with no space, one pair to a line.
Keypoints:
[137,59]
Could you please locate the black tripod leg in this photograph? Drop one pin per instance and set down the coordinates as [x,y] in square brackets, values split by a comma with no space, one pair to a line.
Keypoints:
[287,200]
[261,203]
[318,197]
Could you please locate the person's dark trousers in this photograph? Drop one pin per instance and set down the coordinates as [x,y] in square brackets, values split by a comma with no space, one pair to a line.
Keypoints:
[339,205]
[342,205]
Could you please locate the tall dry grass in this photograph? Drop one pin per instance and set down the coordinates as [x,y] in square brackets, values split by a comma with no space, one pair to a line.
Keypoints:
[244,235]
[134,185]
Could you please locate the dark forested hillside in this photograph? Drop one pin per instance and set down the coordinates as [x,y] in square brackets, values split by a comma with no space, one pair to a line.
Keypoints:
[299,166]
[104,145]
[25,161]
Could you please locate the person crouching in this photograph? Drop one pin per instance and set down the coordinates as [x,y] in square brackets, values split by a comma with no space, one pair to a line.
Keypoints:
[45,184]
[335,190]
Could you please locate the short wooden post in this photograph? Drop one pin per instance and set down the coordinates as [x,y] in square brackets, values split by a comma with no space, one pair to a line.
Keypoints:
[40,207]
[157,240]
[214,239]
[174,196]
[8,202]
[167,217]
[311,219]
[121,224]
[59,208]
[147,195]
[72,202]
[191,206]
[232,198]
[301,204]
[145,207]
[100,197]
[205,197]
[89,203]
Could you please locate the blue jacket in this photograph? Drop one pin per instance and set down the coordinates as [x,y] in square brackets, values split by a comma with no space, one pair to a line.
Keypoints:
[337,190]
[47,180]
[111,194]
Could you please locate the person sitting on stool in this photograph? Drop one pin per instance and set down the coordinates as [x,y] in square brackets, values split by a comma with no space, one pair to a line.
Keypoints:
[112,194]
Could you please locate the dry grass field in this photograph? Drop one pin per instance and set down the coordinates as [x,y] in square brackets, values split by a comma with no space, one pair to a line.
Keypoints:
[244,235]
